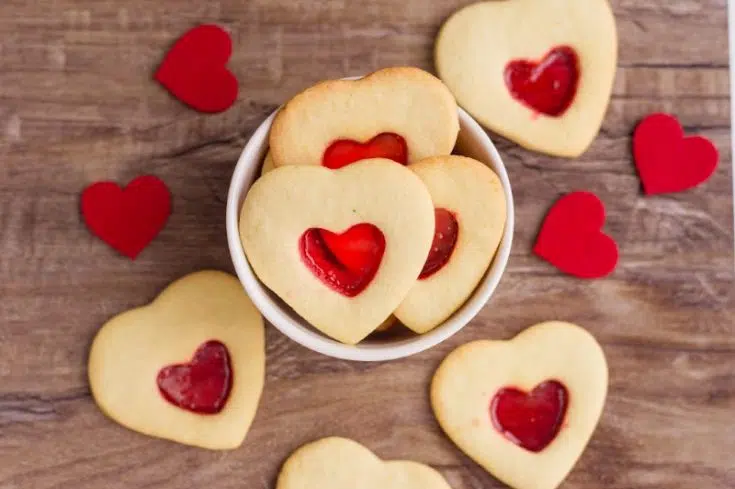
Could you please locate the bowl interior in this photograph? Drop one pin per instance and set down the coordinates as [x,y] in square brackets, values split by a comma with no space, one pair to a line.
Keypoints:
[396,342]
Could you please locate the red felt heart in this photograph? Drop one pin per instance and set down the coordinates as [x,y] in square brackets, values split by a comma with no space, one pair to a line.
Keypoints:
[571,240]
[202,385]
[446,230]
[666,160]
[385,145]
[127,219]
[531,420]
[547,86]
[345,262]
[194,70]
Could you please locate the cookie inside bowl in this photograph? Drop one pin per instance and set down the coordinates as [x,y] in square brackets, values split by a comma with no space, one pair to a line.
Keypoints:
[398,340]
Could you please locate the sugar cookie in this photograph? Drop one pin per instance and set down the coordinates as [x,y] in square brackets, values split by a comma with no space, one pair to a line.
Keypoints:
[189,367]
[470,212]
[538,72]
[523,409]
[339,463]
[403,114]
[390,322]
[333,247]
[267,164]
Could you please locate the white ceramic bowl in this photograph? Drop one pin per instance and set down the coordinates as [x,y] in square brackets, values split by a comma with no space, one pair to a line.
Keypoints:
[473,142]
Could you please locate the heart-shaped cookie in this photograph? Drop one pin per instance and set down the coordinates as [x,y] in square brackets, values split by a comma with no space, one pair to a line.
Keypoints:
[470,213]
[537,72]
[523,409]
[403,114]
[666,160]
[571,238]
[189,367]
[339,463]
[341,247]
[195,72]
[127,218]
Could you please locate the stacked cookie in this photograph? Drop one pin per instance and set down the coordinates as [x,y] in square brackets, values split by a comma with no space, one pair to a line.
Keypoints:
[363,216]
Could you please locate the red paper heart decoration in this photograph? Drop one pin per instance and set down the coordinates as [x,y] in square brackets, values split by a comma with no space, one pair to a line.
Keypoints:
[571,240]
[666,160]
[531,420]
[385,145]
[345,262]
[202,385]
[547,86]
[127,219]
[194,70]
[446,230]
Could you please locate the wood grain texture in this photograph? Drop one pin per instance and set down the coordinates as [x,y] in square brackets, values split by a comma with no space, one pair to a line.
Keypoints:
[77,104]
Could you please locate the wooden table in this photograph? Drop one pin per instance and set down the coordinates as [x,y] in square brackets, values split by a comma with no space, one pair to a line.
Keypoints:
[77,104]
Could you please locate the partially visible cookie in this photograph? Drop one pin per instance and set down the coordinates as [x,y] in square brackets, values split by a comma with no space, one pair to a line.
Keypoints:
[403,114]
[189,367]
[390,322]
[267,164]
[470,213]
[537,72]
[333,247]
[531,402]
[340,463]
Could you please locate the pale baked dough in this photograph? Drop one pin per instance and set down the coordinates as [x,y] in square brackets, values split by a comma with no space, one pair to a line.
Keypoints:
[340,463]
[468,378]
[403,100]
[389,323]
[131,348]
[473,193]
[287,201]
[476,43]
[267,164]
[391,320]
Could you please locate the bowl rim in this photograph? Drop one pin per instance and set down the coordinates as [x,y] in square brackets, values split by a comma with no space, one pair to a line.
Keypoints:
[249,163]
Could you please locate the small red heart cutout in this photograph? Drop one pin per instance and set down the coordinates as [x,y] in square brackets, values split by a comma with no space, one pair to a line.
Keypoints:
[446,231]
[127,219]
[531,420]
[345,262]
[385,145]
[195,71]
[666,160]
[571,240]
[547,86]
[202,385]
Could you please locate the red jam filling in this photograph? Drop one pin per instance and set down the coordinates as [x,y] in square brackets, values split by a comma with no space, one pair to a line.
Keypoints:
[385,145]
[202,385]
[345,262]
[446,230]
[547,86]
[530,420]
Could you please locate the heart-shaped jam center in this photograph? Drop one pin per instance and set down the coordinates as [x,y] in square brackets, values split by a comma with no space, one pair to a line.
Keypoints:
[446,230]
[202,385]
[531,420]
[385,145]
[345,262]
[547,86]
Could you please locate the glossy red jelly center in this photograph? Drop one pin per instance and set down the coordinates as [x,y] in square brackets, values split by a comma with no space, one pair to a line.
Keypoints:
[531,420]
[547,86]
[345,262]
[202,385]
[446,230]
[385,145]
